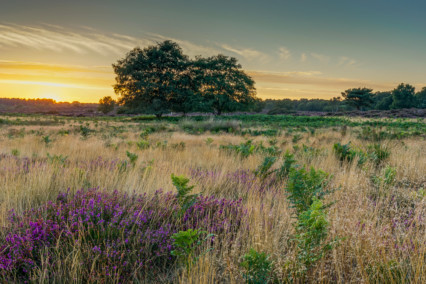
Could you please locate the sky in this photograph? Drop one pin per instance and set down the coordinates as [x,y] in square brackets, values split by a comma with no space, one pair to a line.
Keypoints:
[64,50]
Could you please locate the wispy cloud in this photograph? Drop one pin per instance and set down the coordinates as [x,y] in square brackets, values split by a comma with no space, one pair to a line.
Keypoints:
[189,47]
[303,57]
[15,66]
[315,78]
[346,61]
[284,53]
[320,57]
[247,53]
[61,40]
[84,40]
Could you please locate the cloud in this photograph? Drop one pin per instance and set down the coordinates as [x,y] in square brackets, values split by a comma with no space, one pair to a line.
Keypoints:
[284,53]
[84,40]
[303,57]
[188,47]
[16,66]
[320,57]
[61,40]
[309,84]
[50,84]
[247,53]
[71,76]
[314,78]
[346,61]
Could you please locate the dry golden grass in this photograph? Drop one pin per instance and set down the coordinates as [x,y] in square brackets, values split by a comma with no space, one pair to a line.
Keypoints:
[371,244]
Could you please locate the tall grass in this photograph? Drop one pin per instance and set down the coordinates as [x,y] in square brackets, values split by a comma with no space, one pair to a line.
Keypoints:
[382,225]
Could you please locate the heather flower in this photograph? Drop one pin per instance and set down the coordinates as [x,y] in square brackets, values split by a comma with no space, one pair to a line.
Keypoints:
[128,235]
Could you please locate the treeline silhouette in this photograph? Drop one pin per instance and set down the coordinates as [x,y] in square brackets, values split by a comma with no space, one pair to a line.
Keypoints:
[403,96]
[45,106]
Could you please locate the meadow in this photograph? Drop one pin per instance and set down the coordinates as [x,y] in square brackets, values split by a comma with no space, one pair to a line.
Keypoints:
[233,199]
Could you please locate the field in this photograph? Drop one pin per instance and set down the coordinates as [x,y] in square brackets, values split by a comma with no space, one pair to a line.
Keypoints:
[275,199]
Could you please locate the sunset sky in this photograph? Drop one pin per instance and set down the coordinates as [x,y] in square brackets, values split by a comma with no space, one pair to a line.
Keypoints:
[293,49]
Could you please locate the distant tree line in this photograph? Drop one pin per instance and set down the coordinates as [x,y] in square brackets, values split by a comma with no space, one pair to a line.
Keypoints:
[47,106]
[403,96]
[160,79]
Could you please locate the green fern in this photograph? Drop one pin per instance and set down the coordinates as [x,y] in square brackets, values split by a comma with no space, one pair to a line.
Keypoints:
[185,199]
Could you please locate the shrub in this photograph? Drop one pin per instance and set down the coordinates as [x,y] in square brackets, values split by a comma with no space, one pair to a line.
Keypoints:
[288,163]
[85,131]
[142,144]
[178,146]
[263,171]
[143,117]
[311,234]
[56,159]
[47,140]
[186,244]
[257,267]
[303,186]
[244,149]
[148,130]
[387,177]
[378,153]
[296,138]
[248,148]
[212,125]
[15,152]
[344,152]
[209,141]
[132,157]
[185,199]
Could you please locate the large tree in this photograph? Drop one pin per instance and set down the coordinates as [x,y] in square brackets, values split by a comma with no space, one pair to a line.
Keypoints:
[403,96]
[155,79]
[223,85]
[358,97]
[160,78]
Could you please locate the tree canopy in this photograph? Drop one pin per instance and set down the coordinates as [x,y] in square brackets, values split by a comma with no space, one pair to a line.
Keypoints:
[403,96]
[161,78]
[358,97]
[421,98]
[106,105]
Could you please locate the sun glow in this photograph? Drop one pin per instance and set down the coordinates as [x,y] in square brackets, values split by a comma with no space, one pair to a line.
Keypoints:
[52,96]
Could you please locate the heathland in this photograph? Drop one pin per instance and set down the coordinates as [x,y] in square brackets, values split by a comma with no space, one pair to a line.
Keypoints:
[234,199]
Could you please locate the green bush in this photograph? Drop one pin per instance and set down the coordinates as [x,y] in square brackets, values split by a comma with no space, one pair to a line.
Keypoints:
[56,159]
[47,140]
[142,144]
[244,149]
[178,146]
[288,163]
[344,152]
[15,152]
[185,199]
[132,157]
[378,153]
[311,234]
[186,244]
[257,267]
[303,186]
[386,179]
[212,125]
[264,170]
[296,138]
